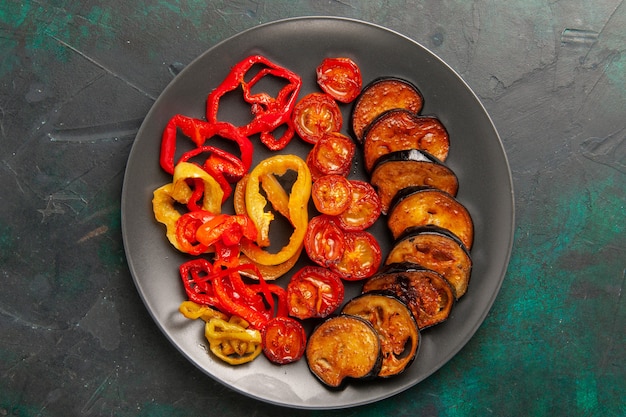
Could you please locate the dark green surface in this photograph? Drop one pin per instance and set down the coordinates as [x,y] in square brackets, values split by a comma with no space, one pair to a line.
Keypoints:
[78,77]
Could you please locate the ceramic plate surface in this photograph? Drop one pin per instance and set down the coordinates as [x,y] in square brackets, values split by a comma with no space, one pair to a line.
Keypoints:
[476,155]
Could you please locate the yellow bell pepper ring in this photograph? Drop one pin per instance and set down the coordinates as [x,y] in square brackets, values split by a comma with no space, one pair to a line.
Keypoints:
[297,207]
[178,191]
[232,341]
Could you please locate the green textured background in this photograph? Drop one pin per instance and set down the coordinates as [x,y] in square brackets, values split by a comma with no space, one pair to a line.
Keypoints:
[76,80]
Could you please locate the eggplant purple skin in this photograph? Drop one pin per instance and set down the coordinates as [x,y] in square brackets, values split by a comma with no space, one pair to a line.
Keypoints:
[393,296]
[373,374]
[371,84]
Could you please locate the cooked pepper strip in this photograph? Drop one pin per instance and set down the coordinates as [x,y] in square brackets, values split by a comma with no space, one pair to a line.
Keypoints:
[199,131]
[194,311]
[197,280]
[186,229]
[269,112]
[232,342]
[230,229]
[297,208]
[182,193]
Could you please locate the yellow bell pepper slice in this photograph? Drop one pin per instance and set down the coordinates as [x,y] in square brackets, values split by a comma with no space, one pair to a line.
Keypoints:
[297,207]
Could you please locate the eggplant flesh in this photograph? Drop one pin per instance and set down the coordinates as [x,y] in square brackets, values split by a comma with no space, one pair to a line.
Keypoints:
[427,294]
[422,206]
[399,129]
[409,168]
[396,327]
[341,348]
[380,95]
[436,249]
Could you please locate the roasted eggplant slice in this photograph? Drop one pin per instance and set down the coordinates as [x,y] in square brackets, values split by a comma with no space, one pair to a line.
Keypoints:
[421,206]
[399,129]
[381,95]
[396,327]
[435,248]
[343,347]
[408,168]
[425,292]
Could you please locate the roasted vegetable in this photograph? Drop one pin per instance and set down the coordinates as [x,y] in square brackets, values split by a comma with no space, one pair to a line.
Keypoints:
[283,340]
[316,114]
[381,95]
[407,168]
[396,327]
[399,129]
[314,292]
[421,206]
[340,78]
[425,292]
[343,347]
[332,154]
[435,248]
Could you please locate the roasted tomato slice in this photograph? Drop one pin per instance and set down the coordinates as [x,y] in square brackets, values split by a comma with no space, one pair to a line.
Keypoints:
[364,210]
[316,114]
[324,240]
[340,78]
[332,154]
[331,194]
[314,292]
[284,340]
[361,257]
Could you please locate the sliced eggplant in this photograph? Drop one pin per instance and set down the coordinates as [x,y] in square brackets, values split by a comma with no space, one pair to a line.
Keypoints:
[421,206]
[435,248]
[344,347]
[407,168]
[396,327]
[425,292]
[380,95]
[399,129]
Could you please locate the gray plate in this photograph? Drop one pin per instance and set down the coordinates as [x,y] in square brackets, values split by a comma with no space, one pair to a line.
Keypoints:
[476,155]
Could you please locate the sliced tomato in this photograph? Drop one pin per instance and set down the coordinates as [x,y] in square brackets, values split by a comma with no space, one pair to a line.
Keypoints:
[340,78]
[284,340]
[331,194]
[364,210]
[314,291]
[332,154]
[316,114]
[324,240]
[361,257]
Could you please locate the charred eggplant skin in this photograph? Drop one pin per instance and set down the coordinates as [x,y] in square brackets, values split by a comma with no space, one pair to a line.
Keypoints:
[435,248]
[415,285]
[344,348]
[395,324]
[380,95]
[398,170]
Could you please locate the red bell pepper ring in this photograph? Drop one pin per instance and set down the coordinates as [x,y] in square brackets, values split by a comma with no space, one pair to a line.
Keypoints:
[221,165]
[197,280]
[199,132]
[269,112]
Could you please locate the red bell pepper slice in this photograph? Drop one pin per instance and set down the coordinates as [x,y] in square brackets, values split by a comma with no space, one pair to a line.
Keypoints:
[197,280]
[269,112]
[199,132]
